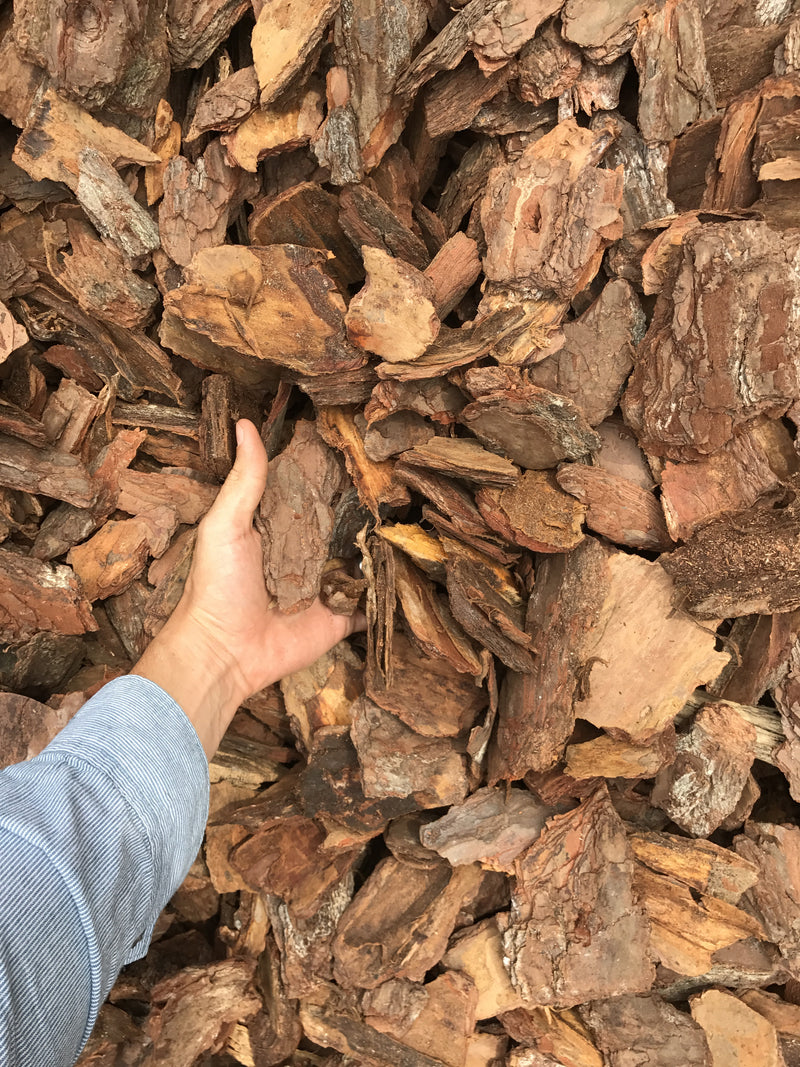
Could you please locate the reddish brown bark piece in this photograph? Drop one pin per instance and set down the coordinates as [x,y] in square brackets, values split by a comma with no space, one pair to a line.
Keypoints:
[107,563]
[302,484]
[604,31]
[597,356]
[674,85]
[536,716]
[26,726]
[701,865]
[533,513]
[584,861]
[753,463]
[35,596]
[702,787]
[281,42]
[225,104]
[398,762]
[742,565]
[393,316]
[140,492]
[555,177]
[608,757]
[647,1028]
[623,512]
[464,459]
[236,296]
[374,942]
[699,411]
[536,428]
[375,482]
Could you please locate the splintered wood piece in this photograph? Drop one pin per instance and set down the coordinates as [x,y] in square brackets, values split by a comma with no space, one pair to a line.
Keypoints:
[194,1009]
[685,932]
[485,613]
[375,942]
[556,179]
[196,207]
[755,461]
[393,316]
[307,215]
[534,513]
[492,827]
[436,1018]
[303,481]
[712,764]
[282,43]
[434,628]
[375,482]
[118,553]
[477,951]
[741,565]
[236,296]
[674,85]
[167,145]
[322,694]
[695,408]
[48,471]
[646,1027]
[535,427]
[58,131]
[423,548]
[615,508]
[97,276]
[362,32]
[638,613]
[398,762]
[701,865]
[342,1030]
[225,104]
[597,357]
[35,596]
[608,757]
[736,1034]
[775,850]
[462,458]
[191,497]
[536,716]
[580,869]
[289,124]
[545,1034]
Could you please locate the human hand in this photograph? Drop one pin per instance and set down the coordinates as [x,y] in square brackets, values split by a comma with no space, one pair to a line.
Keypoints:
[224,641]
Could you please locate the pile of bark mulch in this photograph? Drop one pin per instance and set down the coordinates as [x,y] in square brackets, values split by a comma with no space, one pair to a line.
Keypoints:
[512,290]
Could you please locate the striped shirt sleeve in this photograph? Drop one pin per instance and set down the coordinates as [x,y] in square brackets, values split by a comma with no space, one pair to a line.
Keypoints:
[96,834]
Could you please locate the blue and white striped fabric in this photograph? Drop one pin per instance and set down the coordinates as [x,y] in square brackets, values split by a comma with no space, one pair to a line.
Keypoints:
[96,834]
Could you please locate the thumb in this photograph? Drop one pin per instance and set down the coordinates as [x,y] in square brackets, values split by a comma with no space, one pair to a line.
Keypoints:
[242,490]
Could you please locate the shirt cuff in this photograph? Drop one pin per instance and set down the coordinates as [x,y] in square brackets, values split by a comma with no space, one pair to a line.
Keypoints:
[141,739]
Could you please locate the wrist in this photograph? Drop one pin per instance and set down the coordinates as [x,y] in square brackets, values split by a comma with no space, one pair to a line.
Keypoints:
[199,675]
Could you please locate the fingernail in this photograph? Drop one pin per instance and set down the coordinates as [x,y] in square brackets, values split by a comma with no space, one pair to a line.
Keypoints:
[238,433]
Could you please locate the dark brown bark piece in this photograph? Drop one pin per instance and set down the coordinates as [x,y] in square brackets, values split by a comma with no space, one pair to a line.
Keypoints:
[453,99]
[627,1028]
[467,182]
[584,860]
[536,717]
[368,220]
[195,28]
[45,470]
[374,942]
[742,565]
[535,427]
[307,215]
[303,481]
[35,596]
[223,405]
